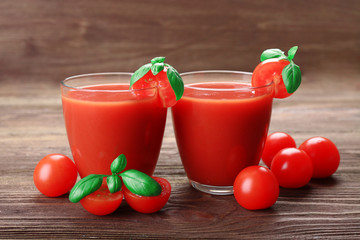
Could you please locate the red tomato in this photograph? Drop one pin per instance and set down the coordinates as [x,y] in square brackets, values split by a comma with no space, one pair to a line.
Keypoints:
[274,143]
[324,155]
[55,175]
[166,93]
[102,202]
[256,187]
[292,167]
[149,204]
[268,71]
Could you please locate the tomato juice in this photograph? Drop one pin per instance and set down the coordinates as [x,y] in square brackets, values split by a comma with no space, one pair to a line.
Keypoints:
[104,120]
[220,128]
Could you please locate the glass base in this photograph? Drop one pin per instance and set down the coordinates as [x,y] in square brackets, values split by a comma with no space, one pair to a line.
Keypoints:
[214,190]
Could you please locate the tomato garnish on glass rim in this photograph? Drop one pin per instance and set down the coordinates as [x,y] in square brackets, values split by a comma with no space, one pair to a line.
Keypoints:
[277,67]
[161,75]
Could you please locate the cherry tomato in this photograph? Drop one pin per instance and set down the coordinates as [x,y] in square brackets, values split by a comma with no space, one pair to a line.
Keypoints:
[256,187]
[166,93]
[268,71]
[149,204]
[274,143]
[102,201]
[324,155]
[55,175]
[292,167]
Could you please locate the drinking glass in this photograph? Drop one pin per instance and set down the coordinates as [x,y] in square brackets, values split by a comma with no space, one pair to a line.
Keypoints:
[220,125]
[104,119]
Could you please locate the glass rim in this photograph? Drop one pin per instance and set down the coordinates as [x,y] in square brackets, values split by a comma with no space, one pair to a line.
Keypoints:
[222,72]
[64,84]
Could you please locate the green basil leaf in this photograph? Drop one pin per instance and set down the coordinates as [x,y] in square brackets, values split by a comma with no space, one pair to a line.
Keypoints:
[85,186]
[292,52]
[118,164]
[114,183]
[138,74]
[139,183]
[271,53]
[156,68]
[291,75]
[176,81]
[157,60]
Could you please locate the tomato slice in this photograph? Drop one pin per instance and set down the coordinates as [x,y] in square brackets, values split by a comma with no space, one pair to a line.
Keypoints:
[149,204]
[268,71]
[165,91]
[102,202]
[147,81]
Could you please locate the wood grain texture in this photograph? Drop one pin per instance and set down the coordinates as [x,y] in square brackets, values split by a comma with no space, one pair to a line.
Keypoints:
[42,42]
[32,126]
[54,39]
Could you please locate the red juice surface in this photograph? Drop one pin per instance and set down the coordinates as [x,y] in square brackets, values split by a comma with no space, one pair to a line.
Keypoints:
[102,125]
[221,132]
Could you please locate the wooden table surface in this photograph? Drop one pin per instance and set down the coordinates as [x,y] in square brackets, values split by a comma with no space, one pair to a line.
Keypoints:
[42,42]
[32,126]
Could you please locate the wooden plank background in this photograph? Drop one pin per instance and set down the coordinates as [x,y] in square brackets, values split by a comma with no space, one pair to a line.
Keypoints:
[42,42]
[51,40]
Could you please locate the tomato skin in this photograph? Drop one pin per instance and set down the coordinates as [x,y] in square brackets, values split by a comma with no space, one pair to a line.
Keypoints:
[274,143]
[102,202]
[151,204]
[324,155]
[55,175]
[256,187]
[292,167]
[271,70]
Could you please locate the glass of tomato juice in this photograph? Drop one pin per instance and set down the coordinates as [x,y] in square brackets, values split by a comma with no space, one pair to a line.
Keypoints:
[104,119]
[220,125]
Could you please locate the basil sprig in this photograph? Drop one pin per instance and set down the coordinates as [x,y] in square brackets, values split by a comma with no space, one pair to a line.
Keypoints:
[137,182]
[291,73]
[157,65]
